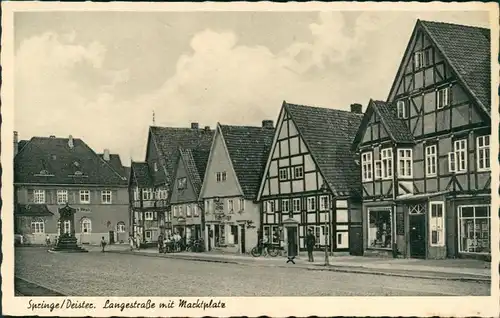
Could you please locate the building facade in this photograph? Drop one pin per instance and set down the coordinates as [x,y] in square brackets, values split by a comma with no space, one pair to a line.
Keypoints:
[52,172]
[230,186]
[425,152]
[311,180]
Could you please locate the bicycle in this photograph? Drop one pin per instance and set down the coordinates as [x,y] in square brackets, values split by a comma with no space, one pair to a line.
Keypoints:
[262,248]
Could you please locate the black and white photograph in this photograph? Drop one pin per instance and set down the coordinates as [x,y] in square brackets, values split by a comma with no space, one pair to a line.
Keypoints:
[186,155]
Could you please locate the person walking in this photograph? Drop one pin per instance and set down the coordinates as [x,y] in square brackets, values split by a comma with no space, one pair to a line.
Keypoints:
[310,242]
[103,244]
[131,242]
[47,240]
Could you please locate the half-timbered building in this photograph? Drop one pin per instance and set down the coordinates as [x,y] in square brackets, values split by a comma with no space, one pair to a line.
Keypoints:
[311,180]
[230,186]
[425,152]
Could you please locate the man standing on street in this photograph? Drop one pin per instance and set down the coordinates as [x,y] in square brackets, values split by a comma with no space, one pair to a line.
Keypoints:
[310,241]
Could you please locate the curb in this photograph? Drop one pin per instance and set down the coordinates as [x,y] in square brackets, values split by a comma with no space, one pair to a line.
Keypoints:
[340,269]
[52,292]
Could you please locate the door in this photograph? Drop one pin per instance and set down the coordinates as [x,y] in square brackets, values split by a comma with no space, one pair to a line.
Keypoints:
[417,236]
[210,237]
[242,232]
[111,237]
[356,240]
[291,233]
[216,235]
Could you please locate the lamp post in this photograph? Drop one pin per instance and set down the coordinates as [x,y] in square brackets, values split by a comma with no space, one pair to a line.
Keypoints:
[324,190]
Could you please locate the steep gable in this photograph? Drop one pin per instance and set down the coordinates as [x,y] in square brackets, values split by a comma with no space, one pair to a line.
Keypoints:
[140,175]
[191,165]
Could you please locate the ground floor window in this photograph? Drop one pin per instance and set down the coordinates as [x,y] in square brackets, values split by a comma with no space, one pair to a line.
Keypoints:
[475,229]
[120,227]
[37,226]
[437,223]
[149,235]
[380,228]
[86,226]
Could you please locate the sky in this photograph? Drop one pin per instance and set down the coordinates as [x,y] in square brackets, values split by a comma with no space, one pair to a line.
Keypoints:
[100,76]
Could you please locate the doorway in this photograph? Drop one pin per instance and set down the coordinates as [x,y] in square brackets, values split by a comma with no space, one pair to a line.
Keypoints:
[417,236]
[111,237]
[242,235]
[293,247]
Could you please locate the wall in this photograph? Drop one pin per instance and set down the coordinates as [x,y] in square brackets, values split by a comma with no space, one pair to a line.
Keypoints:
[182,195]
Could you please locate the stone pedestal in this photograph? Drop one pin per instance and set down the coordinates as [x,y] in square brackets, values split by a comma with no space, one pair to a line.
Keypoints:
[67,240]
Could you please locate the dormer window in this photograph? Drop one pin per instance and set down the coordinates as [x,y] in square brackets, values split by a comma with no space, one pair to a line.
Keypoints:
[44,172]
[402,109]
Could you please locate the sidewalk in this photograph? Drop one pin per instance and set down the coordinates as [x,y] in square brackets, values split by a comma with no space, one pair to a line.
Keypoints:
[448,269]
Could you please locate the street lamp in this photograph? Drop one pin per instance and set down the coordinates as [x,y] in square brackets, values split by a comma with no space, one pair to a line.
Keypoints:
[324,190]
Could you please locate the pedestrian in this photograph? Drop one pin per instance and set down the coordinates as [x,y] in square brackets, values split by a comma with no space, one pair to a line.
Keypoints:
[131,242]
[47,240]
[103,244]
[310,242]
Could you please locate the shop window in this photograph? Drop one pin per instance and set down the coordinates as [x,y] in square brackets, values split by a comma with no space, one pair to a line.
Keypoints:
[380,229]
[275,239]
[437,223]
[233,238]
[475,229]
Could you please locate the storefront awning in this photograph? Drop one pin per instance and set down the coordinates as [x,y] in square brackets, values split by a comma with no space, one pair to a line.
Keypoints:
[421,196]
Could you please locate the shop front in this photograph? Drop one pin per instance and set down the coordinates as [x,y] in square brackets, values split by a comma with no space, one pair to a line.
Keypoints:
[379,229]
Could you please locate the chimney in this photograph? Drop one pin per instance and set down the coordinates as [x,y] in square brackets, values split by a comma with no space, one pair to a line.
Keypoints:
[269,124]
[357,108]
[207,128]
[195,126]
[70,142]
[105,155]
[16,143]
[52,136]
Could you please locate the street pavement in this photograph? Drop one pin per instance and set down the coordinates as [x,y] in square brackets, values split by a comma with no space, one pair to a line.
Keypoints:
[116,274]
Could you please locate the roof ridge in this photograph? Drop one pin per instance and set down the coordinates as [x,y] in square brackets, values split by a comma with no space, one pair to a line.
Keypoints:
[454,24]
[325,108]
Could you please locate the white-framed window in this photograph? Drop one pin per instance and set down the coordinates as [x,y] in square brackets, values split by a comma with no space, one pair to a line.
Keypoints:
[149,234]
[39,196]
[176,211]
[147,194]
[285,205]
[378,169]
[324,203]
[402,109]
[427,56]
[84,196]
[218,176]
[272,206]
[196,211]
[405,163]
[188,210]
[474,226]
[207,206]
[366,166]
[386,158]
[163,194]
[181,211]
[136,194]
[86,226]
[311,204]
[283,174]
[224,176]
[230,205]
[242,204]
[298,172]
[457,160]
[483,153]
[431,160]
[181,183]
[67,226]
[62,196]
[418,60]
[120,227]
[106,197]
[296,205]
[443,97]
[437,224]
[380,228]
[37,226]
[148,216]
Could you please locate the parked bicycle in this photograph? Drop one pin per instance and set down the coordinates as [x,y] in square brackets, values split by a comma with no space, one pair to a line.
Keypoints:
[194,245]
[264,249]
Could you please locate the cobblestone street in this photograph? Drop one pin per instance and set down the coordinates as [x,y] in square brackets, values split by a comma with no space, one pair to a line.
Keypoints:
[112,274]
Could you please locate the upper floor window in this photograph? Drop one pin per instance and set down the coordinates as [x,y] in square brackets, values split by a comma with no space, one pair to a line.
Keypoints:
[181,183]
[242,204]
[311,204]
[62,196]
[285,205]
[283,174]
[84,196]
[175,208]
[296,205]
[147,194]
[402,107]
[431,160]
[457,160]
[136,194]
[268,207]
[37,226]
[106,197]
[483,153]
[148,216]
[181,211]
[366,166]
[220,176]
[188,210]
[39,196]
[230,205]
[386,158]
[272,206]
[418,60]
[298,172]
[323,203]
[405,162]
[443,97]
[196,211]
[378,169]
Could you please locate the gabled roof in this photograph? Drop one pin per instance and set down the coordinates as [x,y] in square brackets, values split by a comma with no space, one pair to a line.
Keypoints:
[116,163]
[467,50]
[195,162]
[328,134]
[32,210]
[139,172]
[50,160]
[395,127]
[168,140]
[248,148]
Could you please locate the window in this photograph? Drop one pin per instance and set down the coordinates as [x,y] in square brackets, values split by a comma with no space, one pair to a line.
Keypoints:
[283,174]
[427,57]
[181,211]
[442,97]
[275,238]
[474,228]
[324,203]
[224,176]
[218,176]
[483,153]
[196,211]
[148,234]
[242,204]
[62,196]
[136,194]
[155,166]
[418,60]
[437,223]
[402,109]
[317,234]
[120,227]
[37,226]
[86,226]
[378,169]
[298,172]
[296,205]
[233,235]
[457,161]
[285,205]
[188,210]
[176,211]
[366,166]
[39,196]
[163,194]
[230,205]
[311,204]
[380,229]
[181,183]
[147,194]
[67,226]
[207,206]
[106,197]
[431,160]
[386,155]
[405,163]
[267,232]
[271,207]
[148,216]
[84,196]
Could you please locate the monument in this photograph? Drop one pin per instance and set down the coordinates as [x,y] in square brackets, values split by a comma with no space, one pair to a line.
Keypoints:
[67,240]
